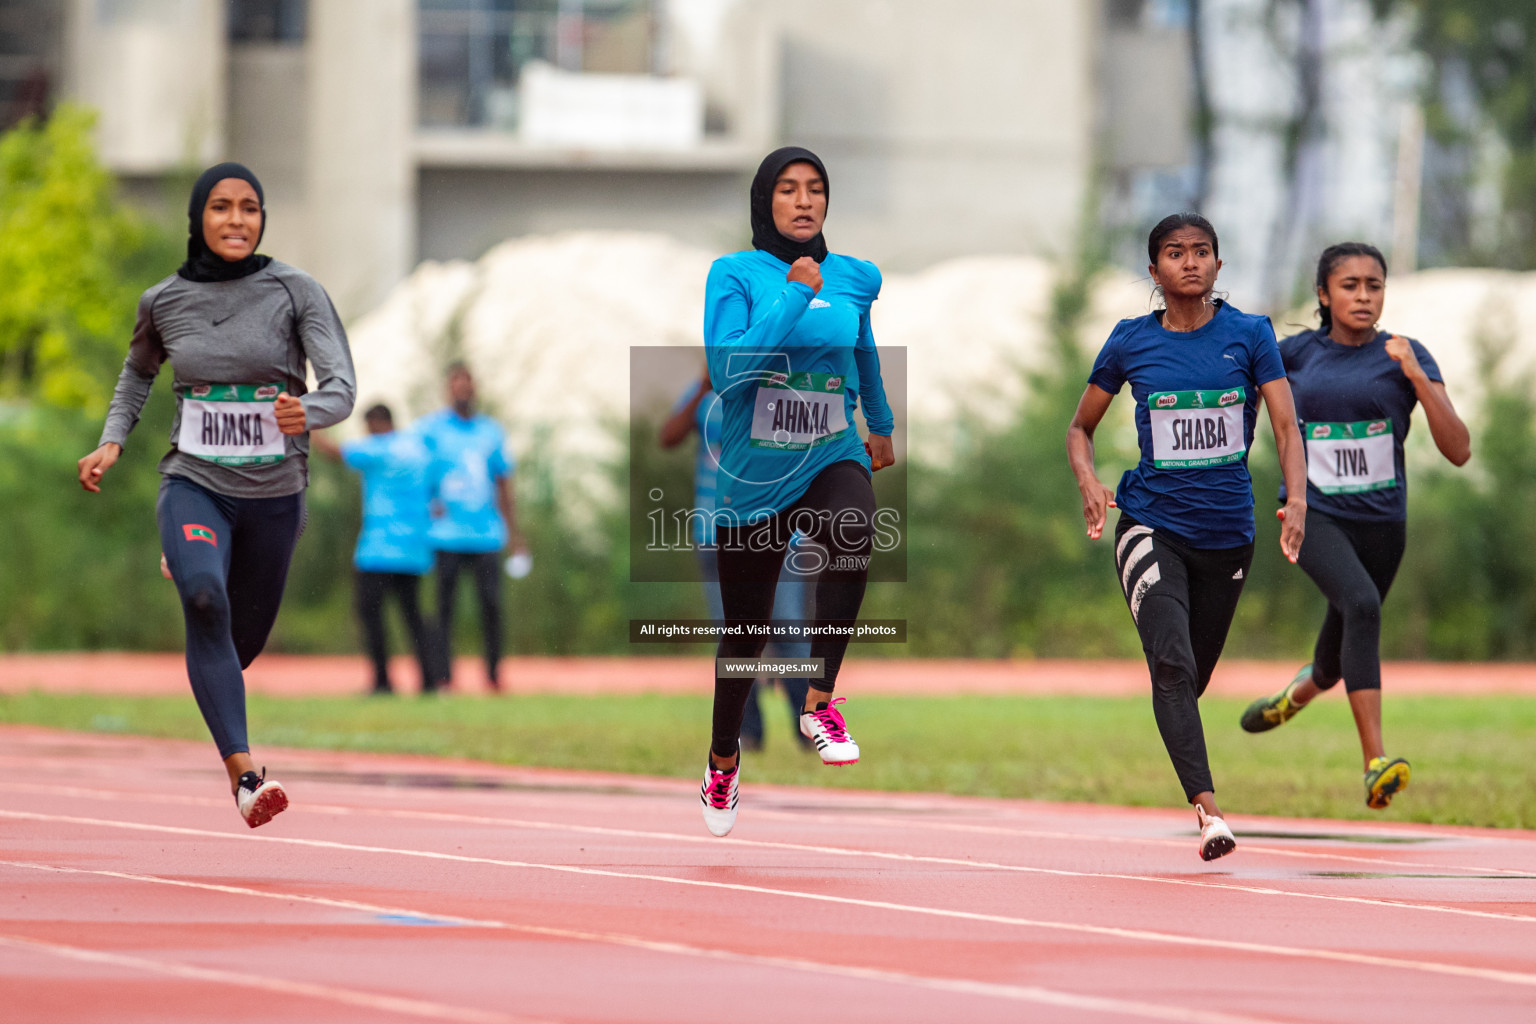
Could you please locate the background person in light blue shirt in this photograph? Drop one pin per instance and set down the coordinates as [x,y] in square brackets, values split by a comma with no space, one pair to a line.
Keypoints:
[474,517]
[393,551]
[697,411]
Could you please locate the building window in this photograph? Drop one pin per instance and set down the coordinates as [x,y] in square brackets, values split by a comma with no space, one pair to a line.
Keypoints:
[31,36]
[266,21]
[473,51]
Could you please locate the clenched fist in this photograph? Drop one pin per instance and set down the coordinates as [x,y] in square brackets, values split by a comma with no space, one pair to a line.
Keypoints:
[290,414]
[807,271]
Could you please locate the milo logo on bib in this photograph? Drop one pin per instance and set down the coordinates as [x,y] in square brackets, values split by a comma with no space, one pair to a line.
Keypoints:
[232,424]
[1347,458]
[1197,429]
[799,413]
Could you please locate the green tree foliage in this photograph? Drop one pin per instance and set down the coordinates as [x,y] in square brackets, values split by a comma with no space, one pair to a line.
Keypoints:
[1492,44]
[1466,592]
[72,259]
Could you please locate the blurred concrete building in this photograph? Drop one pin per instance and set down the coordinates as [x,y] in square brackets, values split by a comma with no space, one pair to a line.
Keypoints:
[388,131]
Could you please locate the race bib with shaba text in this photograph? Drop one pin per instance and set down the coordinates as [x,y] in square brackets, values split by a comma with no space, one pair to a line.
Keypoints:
[1197,429]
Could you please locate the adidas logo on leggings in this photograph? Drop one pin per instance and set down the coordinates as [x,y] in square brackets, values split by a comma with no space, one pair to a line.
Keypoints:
[1138,572]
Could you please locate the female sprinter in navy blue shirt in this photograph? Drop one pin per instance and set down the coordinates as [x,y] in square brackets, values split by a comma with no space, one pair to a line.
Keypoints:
[1184,542]
[1355,389]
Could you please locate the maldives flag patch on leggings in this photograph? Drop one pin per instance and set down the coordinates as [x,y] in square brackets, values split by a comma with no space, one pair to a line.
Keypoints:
[195,532]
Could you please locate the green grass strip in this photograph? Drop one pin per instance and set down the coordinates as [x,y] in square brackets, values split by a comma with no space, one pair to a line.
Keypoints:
[1472,757]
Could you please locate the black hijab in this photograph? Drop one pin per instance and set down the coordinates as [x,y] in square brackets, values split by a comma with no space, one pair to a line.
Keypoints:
[764,235]
[203,264]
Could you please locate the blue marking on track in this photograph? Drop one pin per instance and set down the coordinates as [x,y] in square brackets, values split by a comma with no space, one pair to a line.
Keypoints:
[417,920]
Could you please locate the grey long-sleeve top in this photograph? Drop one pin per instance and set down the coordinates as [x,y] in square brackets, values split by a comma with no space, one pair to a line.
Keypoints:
[258,329]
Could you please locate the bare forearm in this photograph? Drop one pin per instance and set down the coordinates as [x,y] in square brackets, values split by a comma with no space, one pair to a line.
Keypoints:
[321,443]
[679,425]
[1080,455]
[1447,428]
[507,503]
[1293,462]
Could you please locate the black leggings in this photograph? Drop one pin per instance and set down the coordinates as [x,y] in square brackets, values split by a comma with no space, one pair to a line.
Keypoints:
[1353,563]
[836,512]
[372,588]
[485,567]
[229,558]
[1182,600]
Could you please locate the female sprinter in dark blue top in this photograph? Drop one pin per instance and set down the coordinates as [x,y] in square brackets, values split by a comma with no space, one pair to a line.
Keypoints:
[1184,542]
[1355,389]
[791,355]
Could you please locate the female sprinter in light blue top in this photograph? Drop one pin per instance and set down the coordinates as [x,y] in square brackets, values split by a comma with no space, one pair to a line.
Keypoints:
[791,355]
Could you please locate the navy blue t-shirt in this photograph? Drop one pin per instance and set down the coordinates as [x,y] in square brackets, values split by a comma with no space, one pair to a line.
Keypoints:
[1197,397]
[1350,400]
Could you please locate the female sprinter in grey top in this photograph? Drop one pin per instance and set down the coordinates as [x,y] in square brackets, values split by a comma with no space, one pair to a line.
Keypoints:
[238,329]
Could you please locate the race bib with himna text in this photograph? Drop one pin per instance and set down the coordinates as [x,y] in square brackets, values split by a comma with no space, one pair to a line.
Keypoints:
[232,424]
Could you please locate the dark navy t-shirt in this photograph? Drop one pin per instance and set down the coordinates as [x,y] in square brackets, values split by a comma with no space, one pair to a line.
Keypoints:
[1197,397]
[1355,408]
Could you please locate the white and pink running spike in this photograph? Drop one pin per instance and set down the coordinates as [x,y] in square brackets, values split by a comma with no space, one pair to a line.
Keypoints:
[719,794]
[825,728]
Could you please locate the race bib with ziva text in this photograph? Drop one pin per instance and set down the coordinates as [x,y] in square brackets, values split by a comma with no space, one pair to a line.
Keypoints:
[1348,458]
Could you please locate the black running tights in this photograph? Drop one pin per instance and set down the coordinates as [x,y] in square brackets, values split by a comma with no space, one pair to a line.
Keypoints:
[1353,563]
[836,512]
[1182,600]
[372,588]
[229,558]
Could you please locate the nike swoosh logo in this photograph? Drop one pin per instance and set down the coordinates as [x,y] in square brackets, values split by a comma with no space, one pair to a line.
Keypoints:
[222,319]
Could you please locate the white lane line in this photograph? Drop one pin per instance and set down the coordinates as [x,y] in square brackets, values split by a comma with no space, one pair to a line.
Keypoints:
[1020,993]
[187,972]
[840,851]
[1133,934]
[1078,837]
[907,824]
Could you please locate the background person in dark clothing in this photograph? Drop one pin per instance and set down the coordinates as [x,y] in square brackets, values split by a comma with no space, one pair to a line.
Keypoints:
[393,551]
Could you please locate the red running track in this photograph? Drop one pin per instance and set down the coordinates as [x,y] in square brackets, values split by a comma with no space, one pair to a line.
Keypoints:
[417,889]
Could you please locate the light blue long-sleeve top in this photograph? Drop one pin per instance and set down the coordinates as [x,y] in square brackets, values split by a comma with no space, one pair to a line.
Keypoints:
[778,354]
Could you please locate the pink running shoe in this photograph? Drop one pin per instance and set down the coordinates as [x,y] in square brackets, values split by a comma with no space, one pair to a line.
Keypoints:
[719,794]
[825,728]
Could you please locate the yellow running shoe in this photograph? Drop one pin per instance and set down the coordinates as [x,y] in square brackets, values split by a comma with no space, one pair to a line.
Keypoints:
[1267,712]
[1384,779]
